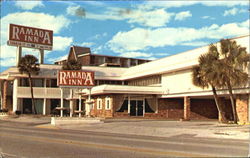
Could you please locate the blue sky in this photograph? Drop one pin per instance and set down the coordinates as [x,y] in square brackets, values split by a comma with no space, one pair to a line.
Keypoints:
[139,29]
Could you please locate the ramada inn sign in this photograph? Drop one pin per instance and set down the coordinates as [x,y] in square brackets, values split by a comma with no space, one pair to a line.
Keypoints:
[30,37]
[75,78]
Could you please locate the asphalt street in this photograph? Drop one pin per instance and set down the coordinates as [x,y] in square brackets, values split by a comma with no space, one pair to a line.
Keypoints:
[27,141]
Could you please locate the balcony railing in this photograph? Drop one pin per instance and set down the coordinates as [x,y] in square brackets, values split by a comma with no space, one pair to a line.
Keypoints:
[42,92]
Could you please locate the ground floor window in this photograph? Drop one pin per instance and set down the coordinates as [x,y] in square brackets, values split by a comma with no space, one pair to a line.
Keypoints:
[99,103]
[107,103]
[27,106]
[136,107]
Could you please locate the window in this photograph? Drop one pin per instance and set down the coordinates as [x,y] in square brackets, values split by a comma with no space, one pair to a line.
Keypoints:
[99,103]
[107,103]
[38,82]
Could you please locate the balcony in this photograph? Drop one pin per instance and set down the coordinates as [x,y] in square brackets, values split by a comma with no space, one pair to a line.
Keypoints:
[44,92]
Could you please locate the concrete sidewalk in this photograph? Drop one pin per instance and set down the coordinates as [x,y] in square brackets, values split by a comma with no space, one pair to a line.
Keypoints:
[165,128]
[147,127]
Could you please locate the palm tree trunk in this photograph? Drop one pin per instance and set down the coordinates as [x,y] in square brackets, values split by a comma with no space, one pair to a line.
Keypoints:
[232,102]
[32,95]
[218,105]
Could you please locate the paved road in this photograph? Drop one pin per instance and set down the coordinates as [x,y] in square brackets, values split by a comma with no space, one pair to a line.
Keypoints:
[26,140]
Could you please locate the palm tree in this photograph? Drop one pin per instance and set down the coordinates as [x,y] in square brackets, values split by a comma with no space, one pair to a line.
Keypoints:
[203,75]
[71,65]
[28,65]
[234,60]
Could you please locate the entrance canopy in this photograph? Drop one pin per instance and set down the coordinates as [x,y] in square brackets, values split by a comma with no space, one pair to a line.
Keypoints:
[124,89]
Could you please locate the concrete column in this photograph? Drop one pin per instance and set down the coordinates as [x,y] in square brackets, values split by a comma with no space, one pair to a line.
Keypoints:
[128,104]
[71,104]
[80,106]
[44,106]
[15,99]
[41,57]
[5,89]
[248,108]
[18,55]
[61,111]
[143,105]
[186,108]
[88,104]
[71,107]
[156,104]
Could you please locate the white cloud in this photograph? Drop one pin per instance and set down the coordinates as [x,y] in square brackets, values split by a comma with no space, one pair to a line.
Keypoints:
[8,54]
[161,54]
[71,10]
[195,43]
[172,4]
[136,54]
[152,58]
[7,51]
[151,18]
[52,60]
[8,62]
[183,15]
[141,39]
[224,3]
[154,18]
[208,17]
[97,50]
[61,43]
[76,11]
[98,36]
[28,5]
[233,11]
[87,44]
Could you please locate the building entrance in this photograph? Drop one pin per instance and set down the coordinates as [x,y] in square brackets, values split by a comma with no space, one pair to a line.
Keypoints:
[136,108]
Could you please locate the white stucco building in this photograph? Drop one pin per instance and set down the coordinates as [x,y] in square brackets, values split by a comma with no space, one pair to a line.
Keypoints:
[154,89]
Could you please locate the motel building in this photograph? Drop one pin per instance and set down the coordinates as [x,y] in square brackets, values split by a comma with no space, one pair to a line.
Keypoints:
[125,87]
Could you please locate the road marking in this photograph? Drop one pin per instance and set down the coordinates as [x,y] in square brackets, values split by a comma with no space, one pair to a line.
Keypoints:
[104,146]
[136,139]
[47,126]
[2,155]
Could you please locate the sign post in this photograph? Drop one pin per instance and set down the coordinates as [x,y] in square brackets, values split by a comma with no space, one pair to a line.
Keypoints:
[73,78]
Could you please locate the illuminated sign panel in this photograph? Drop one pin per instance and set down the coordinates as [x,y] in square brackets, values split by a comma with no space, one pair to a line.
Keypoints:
[75,78]
[30,37]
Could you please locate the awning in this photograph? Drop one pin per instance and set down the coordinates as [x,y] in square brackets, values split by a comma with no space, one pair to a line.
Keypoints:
[123,89]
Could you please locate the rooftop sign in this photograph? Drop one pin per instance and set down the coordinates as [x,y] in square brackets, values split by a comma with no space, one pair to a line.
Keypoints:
[75,78]
[30,37]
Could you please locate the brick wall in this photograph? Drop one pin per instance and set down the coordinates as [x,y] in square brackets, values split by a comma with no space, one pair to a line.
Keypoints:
[203,109]
[242,108]
[168,109]
[84,60]
[103,112]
